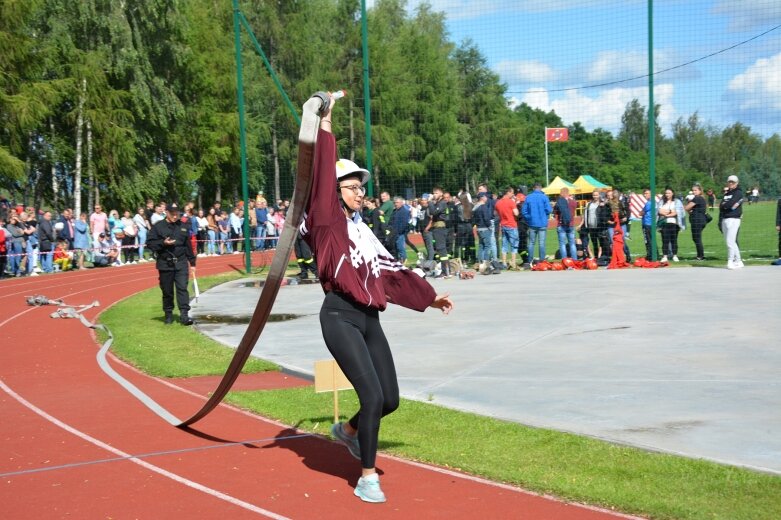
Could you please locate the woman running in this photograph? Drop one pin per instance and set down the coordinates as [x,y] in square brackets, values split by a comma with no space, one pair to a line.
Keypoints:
[359,278]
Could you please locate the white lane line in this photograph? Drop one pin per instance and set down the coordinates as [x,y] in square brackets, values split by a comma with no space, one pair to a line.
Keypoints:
[194,449]
[102,309]
[65,280]
[151,467]
[120,453]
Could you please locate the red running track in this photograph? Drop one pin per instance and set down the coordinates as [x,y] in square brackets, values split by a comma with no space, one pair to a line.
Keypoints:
[76,445]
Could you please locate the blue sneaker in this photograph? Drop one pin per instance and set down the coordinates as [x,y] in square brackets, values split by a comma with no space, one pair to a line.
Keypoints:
[368,489]
[350,441]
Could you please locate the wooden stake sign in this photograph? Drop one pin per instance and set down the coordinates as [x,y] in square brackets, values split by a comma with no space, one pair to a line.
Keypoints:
[330,378]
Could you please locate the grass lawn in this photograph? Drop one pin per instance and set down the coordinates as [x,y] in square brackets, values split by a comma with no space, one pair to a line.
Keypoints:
[142,339]
[758,237]
[566,465]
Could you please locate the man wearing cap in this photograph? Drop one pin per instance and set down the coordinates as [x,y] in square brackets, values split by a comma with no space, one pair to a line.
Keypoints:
[730,212]
[169,240]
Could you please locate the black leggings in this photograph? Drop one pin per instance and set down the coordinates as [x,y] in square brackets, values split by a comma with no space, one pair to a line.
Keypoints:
[697,228]
[355,339]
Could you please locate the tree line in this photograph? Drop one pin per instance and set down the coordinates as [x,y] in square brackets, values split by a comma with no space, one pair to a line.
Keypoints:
[117,102]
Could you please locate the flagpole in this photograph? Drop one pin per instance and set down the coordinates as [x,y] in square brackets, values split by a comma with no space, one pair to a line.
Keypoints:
[547,181]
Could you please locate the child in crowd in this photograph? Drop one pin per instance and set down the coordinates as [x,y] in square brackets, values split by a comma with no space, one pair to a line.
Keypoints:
[62,257]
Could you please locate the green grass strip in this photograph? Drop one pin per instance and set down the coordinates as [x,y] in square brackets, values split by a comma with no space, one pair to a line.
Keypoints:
[142,339]
[546,461]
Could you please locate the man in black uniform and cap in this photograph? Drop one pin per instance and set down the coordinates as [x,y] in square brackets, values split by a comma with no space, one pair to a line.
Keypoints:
[169,240]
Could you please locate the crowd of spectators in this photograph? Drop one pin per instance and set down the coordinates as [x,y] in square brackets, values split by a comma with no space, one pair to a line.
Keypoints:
[475,226]
[520,220]
[34,242]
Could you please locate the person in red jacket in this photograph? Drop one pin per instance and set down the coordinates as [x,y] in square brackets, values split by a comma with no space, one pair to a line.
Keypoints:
[359,278]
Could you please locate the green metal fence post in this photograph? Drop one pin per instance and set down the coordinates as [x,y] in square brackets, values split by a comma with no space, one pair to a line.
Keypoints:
[242,134]
[366,100]
[651,128]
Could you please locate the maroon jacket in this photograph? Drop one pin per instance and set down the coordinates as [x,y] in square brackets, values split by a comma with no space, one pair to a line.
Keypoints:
[350,259]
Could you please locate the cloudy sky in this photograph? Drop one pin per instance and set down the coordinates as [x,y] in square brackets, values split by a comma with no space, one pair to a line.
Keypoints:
[579,57]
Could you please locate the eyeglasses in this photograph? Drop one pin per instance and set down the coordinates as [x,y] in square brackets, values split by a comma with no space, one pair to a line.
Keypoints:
[355,188]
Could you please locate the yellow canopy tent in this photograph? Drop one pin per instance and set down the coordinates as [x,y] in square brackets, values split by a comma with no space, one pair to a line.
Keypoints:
[587,184]
[555,187]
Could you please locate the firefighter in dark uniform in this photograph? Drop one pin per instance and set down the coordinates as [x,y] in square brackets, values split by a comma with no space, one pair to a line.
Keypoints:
[169,240]
[304,258]
[450,223]
[439,212]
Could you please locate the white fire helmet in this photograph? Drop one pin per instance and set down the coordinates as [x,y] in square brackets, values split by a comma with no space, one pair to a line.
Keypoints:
[345,167]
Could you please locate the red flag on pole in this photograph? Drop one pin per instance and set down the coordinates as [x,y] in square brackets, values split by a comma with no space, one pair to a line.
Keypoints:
[556,134]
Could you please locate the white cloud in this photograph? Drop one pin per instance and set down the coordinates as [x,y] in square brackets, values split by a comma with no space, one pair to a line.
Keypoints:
[525,71]
[616,65]
[605,109]
[758,87]
[612,66]
[749,14]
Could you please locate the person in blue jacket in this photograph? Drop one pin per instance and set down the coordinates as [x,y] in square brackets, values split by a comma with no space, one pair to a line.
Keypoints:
[536,211]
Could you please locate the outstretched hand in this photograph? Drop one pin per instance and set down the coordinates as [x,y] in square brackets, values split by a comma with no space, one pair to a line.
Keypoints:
[443,303]
[326,113]
[325,117]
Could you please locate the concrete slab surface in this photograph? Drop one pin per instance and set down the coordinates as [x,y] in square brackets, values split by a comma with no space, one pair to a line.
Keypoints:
[682,360]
